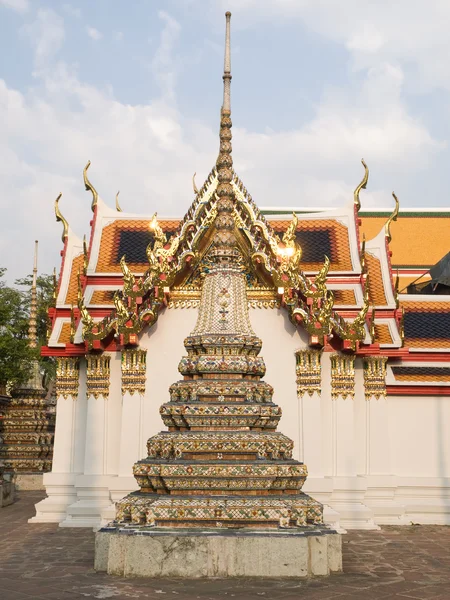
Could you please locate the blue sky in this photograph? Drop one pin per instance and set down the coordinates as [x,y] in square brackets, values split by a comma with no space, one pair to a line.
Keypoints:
[136,88]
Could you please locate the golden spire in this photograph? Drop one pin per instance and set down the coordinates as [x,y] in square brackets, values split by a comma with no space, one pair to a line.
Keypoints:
[226,106]
[32,328]
[393,217]
[224,245]
[117,202]
[89,187]
[361,186]
[59,217]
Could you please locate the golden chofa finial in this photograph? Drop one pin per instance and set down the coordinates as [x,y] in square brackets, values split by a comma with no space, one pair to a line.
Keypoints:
[194,185]
[393,217]
[59,217]
[89,187]
[361,186]
[117,202]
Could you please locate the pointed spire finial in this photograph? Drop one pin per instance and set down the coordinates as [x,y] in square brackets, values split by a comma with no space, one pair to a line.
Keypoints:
[32,327]
[227,67]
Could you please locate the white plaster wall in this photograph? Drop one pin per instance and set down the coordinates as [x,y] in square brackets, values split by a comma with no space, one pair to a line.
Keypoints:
[419,435]
[164,344]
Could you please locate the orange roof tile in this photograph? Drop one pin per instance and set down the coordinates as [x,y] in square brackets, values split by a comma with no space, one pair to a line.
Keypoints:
[417,241]
[376,288]
[102,297]
[72,290]
[64,336]
[382,334]
[345,297]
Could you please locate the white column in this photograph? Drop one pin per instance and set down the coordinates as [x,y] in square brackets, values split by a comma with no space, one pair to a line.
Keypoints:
[70,418]
[381,483]
[92,491]
[130,433]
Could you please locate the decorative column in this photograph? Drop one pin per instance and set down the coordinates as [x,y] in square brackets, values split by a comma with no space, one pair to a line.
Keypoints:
[67,384]
[91,485]
[97,391]
[60,483]
[381,485]
[342,387]
[308,379]
[133,390]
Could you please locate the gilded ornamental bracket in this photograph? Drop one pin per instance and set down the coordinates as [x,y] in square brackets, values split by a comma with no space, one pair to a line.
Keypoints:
[134,371]
[342,376]
[98,375]
[308,371]
[375,376]
[67,377]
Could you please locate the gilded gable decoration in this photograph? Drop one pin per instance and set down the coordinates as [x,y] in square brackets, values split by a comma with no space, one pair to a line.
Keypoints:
[375,376]
[342,376]
[308,372]
[67,377]
[134,371]
[98,375]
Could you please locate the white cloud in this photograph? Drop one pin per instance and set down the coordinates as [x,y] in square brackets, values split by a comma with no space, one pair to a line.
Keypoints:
[72,11]
[20,6]
[163,63]
[46,35]
[401,31]
[94,34]
[150,151]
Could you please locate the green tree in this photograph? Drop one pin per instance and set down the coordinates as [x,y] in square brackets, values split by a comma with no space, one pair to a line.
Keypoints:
[45,290]
[15,353]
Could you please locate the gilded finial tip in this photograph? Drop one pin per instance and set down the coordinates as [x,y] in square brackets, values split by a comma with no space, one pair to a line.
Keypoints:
[228,14]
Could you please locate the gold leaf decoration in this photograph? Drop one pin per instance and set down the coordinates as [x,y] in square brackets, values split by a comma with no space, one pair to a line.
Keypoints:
[342,376]
[308,372]
[134,370]
[375,376]
[98,375]
[67,377]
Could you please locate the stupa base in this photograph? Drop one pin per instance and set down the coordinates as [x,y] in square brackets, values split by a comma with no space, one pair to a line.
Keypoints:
[194,554]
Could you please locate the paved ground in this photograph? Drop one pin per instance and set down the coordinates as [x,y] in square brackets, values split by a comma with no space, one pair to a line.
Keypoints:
[44,562]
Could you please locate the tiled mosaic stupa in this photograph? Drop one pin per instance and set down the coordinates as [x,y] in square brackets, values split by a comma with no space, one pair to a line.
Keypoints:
[221,463]
[26,444]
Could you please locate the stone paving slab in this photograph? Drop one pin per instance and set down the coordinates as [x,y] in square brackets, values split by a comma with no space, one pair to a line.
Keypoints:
[45,562]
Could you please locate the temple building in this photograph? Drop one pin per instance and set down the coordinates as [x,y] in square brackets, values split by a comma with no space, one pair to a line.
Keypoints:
[360,369]
[28,421]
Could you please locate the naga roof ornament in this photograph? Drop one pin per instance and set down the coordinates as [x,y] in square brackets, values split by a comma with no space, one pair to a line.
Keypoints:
[89,187]
[117,202]
[393,217]
[361,186]
[60,218]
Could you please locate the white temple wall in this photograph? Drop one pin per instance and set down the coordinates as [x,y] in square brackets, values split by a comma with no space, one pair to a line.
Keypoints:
[369,461]
[419,435]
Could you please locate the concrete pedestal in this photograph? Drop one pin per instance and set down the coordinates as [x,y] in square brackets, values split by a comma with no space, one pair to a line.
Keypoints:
[193,554]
